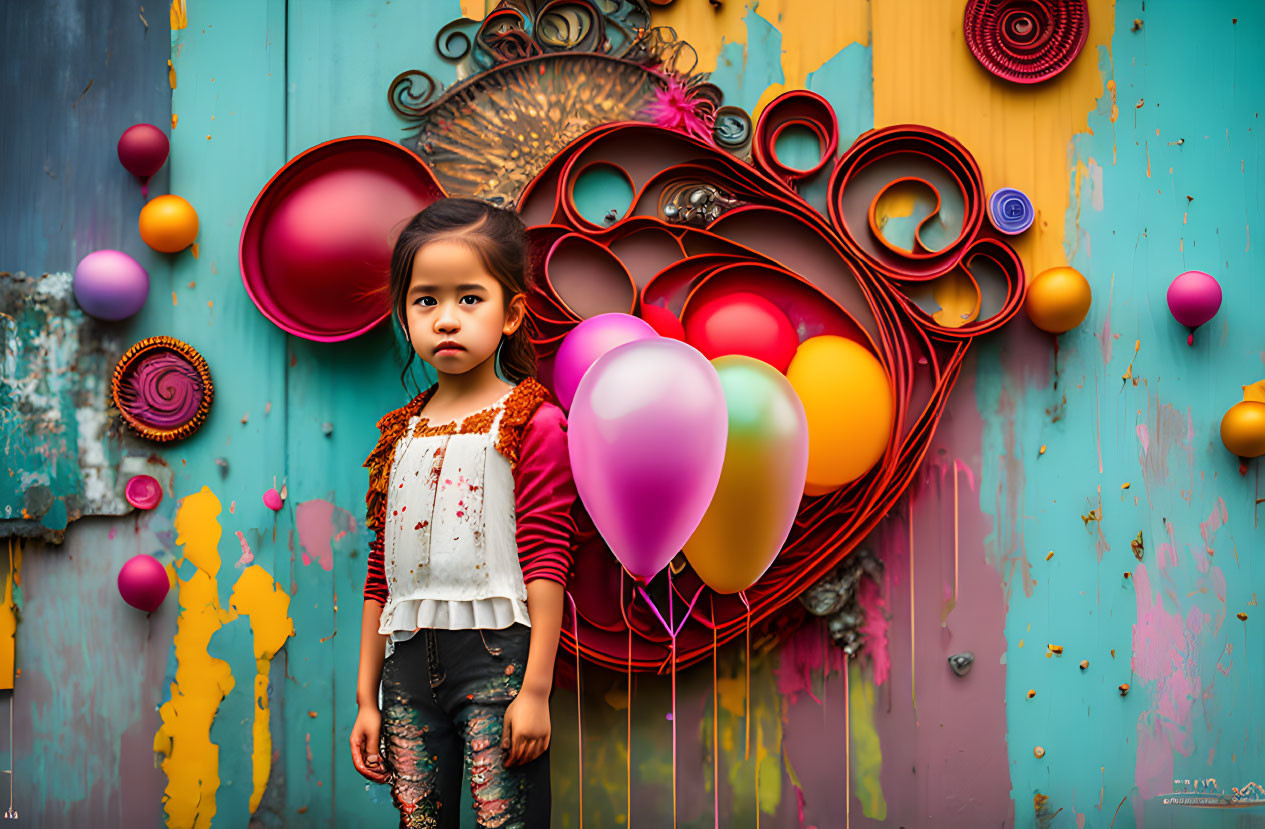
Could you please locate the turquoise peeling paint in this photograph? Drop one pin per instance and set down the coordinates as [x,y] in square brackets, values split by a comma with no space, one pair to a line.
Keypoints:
[1130,238]
[744,70]
[265,86]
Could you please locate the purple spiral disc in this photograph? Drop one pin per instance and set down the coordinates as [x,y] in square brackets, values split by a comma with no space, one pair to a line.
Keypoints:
[1010,210]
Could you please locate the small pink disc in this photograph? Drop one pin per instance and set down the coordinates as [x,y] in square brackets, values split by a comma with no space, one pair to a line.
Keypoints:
[143,492]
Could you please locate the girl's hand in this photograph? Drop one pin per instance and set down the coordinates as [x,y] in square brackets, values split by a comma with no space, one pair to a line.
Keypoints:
[364,744]
[526,729]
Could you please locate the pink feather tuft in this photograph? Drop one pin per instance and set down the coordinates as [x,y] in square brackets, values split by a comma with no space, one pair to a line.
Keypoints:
[673,109]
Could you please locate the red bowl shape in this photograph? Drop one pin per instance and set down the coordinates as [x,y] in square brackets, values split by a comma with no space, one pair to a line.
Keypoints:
[315,251]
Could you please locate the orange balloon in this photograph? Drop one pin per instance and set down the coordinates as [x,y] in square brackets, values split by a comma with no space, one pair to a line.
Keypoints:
[848,402]
[1058,300]
[168,223]
[1243,429]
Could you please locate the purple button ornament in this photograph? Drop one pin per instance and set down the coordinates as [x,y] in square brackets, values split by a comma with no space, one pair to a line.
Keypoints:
[1010,210]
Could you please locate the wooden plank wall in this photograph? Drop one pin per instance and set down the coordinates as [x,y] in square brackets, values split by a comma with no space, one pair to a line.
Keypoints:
[1143,160]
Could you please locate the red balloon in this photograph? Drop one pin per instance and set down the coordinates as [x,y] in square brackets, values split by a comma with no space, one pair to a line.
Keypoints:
[143,149]
[663,321]
[742,323]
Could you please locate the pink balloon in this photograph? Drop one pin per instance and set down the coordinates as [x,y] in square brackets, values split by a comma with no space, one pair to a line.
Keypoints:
[646,434]
[1194,298]
[143,150]
[143,582]
[589,340]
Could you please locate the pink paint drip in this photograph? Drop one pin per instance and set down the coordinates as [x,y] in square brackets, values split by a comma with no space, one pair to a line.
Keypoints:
[807,649]
[247,555]
[874,605]
[1207,529]
[1167,556]
[320,523]
[1165,651]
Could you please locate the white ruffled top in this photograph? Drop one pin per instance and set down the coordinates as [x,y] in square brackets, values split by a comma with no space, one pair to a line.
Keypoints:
[450,553]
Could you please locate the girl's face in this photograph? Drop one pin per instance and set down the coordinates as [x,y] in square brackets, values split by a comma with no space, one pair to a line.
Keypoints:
[455,309]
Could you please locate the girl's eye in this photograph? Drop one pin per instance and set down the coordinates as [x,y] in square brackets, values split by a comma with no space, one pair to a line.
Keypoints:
[426,301]
[471,296]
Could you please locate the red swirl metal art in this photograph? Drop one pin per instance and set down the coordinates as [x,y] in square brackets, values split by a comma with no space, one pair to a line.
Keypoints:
[162,387]
[1026,41]
[903,264]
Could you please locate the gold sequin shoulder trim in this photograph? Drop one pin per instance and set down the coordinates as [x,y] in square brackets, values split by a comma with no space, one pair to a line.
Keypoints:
[519,408]
[391,427]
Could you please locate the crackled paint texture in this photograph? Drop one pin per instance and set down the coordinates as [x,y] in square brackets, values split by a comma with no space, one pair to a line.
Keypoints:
[1142,159]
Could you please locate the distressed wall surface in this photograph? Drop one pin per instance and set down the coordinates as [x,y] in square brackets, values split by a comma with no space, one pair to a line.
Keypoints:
[1143,160]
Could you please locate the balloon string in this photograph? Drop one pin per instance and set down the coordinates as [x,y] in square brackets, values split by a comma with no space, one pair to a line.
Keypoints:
[715,718]
[579,731]
[670,626]
[628,741]
[672,630]
[742,594]
[847,746]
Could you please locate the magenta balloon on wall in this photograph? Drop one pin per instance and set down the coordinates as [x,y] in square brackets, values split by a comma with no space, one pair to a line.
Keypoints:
[1194,297]
[646,434]
[143,150]
[143,582]
[110,285]
[589,340]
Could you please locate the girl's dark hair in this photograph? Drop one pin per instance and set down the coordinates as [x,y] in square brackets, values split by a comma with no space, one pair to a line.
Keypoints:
[498,237]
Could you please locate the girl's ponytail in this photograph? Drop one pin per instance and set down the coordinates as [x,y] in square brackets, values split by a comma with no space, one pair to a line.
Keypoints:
[518,355]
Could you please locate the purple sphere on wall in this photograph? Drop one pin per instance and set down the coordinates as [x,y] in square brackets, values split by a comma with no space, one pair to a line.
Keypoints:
[110,285]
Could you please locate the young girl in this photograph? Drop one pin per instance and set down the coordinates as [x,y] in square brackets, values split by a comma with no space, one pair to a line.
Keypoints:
[470,500]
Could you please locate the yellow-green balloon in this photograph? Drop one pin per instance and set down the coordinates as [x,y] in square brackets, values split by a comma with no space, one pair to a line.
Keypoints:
[761,481]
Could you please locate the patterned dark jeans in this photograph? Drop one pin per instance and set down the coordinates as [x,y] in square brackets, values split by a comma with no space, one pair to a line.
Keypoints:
[444,695]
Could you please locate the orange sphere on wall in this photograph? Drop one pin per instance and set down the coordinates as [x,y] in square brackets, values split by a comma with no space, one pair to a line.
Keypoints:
[1243,429]
[168,223]
[1058,300]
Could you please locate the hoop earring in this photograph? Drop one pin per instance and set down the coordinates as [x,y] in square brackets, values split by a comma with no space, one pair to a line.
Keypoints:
[500,371]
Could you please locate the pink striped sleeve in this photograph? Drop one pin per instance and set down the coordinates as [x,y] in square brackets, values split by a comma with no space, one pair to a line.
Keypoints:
[544,494]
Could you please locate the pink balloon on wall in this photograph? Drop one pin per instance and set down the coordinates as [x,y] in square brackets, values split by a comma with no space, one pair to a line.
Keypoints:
[143,582]
[1194,297]
[646,435]
[143,150]
[588,341]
